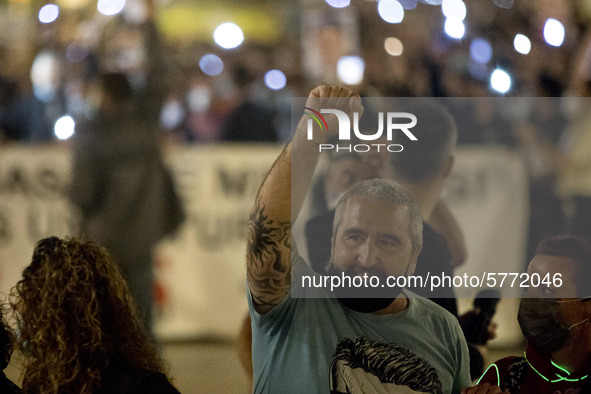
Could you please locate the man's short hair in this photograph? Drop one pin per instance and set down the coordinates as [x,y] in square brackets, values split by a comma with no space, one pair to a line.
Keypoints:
[437,136]
[384,190]
[576,248]
[391,363]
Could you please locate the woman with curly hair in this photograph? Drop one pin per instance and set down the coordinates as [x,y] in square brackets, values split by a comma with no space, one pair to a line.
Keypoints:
[78,326]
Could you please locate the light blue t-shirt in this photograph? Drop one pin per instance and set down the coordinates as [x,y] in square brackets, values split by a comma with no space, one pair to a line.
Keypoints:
[317,345]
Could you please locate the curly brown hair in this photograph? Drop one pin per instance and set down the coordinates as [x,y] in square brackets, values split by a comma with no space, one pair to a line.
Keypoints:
[77,316]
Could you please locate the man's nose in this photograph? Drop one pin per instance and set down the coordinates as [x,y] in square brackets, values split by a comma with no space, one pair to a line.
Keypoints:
[368,254]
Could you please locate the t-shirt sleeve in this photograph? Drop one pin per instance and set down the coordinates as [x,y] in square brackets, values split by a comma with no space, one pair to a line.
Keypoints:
[462,377]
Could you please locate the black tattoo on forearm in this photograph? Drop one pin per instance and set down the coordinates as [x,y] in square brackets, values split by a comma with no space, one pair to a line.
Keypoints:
[268,259]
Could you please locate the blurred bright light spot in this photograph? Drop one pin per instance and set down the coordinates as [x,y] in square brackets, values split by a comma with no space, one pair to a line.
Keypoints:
[480,50]
[432,2]
[408,4]
[338,3]
[500,81]
[45,76]
[48,13]
[350,69]
[553,32]
[199,99]
[454,28]
[454,9]
[393,46]
[522,44]
[64,127]
[172,114]
[391,11]
[211,64]
[135,11]
[506,4]
[228,35]
[275,80]
[110,7]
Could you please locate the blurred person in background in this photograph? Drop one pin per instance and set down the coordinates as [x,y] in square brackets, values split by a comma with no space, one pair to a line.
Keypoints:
[120,183]
[423,169]
[79,331]
[22,116]
[547,121]
[250,120]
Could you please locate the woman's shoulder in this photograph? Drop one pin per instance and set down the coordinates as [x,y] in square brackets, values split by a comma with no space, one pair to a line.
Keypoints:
[120,378]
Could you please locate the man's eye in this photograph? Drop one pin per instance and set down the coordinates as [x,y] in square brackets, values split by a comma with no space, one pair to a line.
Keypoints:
[353,239]
[387,243]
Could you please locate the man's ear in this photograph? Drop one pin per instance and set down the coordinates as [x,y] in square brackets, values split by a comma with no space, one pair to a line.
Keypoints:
[333,241]
[413,260]
[448,165]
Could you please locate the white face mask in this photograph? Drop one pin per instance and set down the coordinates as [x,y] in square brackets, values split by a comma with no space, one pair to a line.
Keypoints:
[199,99]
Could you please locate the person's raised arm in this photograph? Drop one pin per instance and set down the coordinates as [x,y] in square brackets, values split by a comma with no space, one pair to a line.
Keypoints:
[280,198]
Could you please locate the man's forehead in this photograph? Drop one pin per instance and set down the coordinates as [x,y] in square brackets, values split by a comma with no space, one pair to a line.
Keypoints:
[374,204]
[369,211]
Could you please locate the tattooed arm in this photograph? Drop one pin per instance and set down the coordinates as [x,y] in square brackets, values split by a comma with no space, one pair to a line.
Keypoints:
[276,207]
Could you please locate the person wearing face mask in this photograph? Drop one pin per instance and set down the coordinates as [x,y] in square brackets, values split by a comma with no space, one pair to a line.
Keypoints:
[556,322]
[377,231]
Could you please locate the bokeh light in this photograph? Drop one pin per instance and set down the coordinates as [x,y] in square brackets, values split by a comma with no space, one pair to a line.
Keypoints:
[172,114]
[110,7]
[454,9]
[500,81]
[48,13]
[522,44]
[390,11]
[45,73]
[228,35]
[408,4]
[454,28]
[393,46]
[338,3]
[506,4]
[211,64]
[275,79]
[554,32]
[64,127]
[350,69]
[480,50]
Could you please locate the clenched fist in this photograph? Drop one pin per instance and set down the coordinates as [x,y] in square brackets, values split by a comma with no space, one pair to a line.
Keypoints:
[330,97]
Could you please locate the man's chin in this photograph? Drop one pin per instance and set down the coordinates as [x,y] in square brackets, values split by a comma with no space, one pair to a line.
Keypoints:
[366,305]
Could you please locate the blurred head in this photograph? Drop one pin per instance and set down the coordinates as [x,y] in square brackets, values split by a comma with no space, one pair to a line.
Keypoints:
[344,171]
[76,317]
[432,155]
